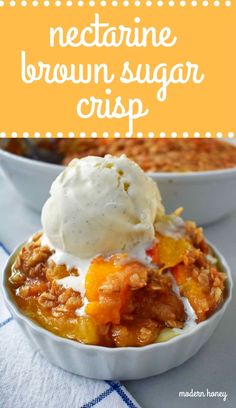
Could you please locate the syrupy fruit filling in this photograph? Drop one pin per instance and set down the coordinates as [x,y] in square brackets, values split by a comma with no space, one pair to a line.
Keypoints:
[126,303]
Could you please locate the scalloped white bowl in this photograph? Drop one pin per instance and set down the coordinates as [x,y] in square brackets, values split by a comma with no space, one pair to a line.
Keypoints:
[116,363]
[206,196]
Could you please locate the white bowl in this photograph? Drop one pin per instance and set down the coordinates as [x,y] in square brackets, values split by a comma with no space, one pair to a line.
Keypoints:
[206,196]
[31,178]
[116,363]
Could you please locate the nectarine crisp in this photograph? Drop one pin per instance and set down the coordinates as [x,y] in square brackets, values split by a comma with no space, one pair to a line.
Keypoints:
[125,302]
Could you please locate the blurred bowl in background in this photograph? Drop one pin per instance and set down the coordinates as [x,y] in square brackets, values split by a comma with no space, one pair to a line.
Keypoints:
[31,178]
[206,196]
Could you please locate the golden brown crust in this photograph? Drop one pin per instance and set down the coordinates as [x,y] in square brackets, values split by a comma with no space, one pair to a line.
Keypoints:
[158,155]
[165,155]
[129,306]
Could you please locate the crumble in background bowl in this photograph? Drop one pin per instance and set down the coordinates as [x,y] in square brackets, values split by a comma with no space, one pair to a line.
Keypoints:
[128,363]
[206,196]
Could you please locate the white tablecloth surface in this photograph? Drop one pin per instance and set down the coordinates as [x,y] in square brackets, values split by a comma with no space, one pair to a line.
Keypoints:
[213,368]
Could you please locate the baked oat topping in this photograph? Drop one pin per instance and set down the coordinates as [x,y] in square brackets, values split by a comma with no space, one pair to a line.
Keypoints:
[153,155]
[127,303]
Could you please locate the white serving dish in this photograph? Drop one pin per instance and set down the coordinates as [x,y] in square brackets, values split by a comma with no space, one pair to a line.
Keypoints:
[117,363]
[206,196]
[31,178]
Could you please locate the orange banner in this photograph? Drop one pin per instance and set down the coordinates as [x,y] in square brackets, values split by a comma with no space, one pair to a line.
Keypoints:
[117,68]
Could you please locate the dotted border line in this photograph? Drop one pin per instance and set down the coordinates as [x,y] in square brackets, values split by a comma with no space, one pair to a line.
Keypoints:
[116,3]
[116,135]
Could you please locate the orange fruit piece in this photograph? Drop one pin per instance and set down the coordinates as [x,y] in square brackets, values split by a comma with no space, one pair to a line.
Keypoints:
[169,251]
[104,313]
[104,307]
[192,290]
[108,286]
[86,331]
[96,276]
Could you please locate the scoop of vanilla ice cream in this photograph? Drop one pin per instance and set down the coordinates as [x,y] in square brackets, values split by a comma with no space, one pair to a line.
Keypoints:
[101,205]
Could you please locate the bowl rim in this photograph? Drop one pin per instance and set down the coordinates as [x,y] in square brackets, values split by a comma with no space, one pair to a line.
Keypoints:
[37,163]
[12,306]
[190,175]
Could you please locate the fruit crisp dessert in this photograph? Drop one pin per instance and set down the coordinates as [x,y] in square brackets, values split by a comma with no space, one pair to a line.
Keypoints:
[110,268]
[152,155]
